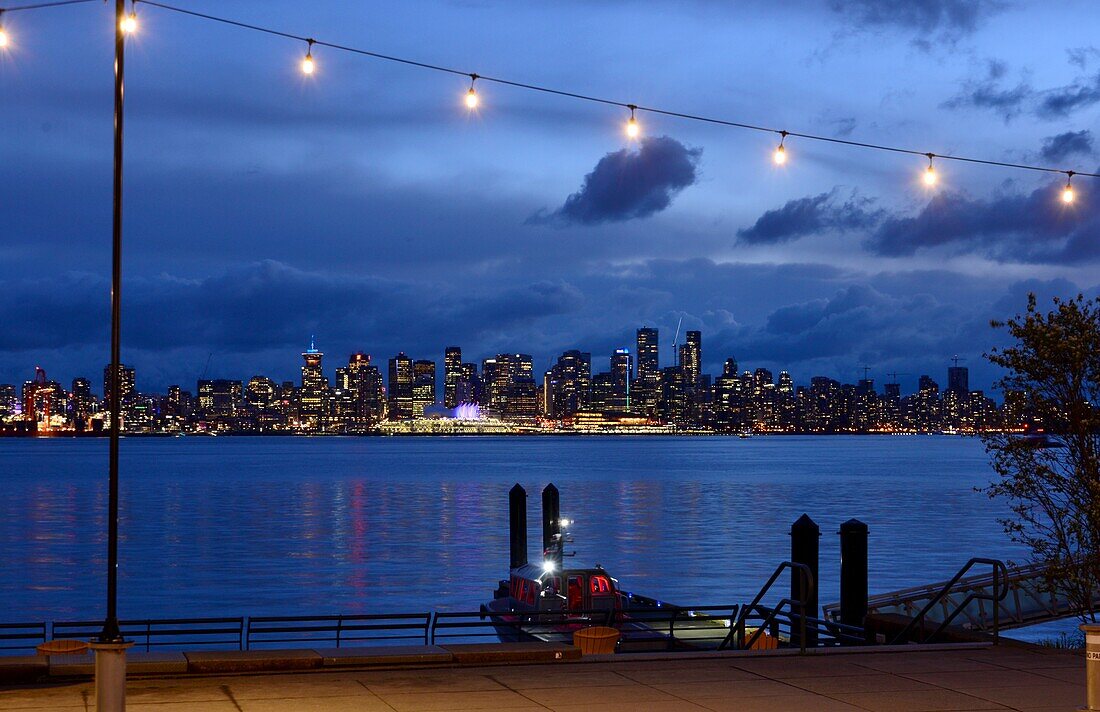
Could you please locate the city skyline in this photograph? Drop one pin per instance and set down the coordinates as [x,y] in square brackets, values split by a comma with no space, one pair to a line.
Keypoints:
[507,393]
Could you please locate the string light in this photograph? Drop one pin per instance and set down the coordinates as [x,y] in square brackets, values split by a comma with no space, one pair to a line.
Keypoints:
[780,156]
[307,63]
[471,96]
[930,176]
[1067,193]
[632,127]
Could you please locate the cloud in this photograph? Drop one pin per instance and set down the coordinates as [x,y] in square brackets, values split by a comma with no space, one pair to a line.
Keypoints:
[990,92]
[933,21]
[1081,56]
[1061,146]
[1013,227]
[987,93]
[1063,101]
[629,184]
[808,216]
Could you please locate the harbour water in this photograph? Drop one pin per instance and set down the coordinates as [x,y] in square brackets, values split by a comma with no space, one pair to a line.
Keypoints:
[280,526]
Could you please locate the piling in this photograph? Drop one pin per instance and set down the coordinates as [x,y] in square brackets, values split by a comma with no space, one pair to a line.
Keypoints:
[517,526]
[551,522]
[853,572]
[805,541]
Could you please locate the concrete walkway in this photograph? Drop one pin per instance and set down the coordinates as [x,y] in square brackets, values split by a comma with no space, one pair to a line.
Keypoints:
[1003,678]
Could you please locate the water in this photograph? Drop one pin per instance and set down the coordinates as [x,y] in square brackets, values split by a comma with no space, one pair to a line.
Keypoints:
[281,526]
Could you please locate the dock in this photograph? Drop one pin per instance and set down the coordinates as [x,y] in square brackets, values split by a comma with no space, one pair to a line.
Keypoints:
[907,678]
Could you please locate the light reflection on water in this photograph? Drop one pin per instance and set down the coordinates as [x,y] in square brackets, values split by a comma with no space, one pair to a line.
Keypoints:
[274,526]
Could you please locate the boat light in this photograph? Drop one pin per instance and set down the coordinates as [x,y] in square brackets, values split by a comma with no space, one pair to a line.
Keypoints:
[548,566]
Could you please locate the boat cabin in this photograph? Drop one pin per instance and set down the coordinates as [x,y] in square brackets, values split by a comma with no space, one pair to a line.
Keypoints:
[531,587]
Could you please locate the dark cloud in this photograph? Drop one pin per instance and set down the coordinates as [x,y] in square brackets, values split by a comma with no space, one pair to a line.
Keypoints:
[1071,143]
[1081,56]
[987,92]
[933,21]
[1013,227]
[808,216]
[629,184]
[1063,101]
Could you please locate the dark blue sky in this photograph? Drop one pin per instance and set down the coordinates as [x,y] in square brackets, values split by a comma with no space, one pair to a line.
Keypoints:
[365,205]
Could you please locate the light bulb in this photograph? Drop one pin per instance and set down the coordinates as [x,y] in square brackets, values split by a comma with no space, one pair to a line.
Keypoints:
[307,64]
[471,99]
[632,128]
[3,37]
[129,23]
[930,176]
[780,156]
[1067,193]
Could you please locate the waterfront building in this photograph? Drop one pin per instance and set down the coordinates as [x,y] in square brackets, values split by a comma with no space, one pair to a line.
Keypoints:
[452,372]
[84,404]
[469,387]
[361,398]
[400,394]
[510,387]
[691,355]
[219,402]
[314,398]
[622,373]
[9,401]
[126,386]
[568,384]
[423,390]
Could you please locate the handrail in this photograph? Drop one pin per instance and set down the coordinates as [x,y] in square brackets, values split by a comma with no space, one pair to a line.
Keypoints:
[1000,590]
[343,626]
[805,585]
[33,633]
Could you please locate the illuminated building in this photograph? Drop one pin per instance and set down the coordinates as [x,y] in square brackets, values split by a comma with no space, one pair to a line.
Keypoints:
[400,394]
[509,382]
[423,390]
[691,354]
[126,384]
[314,404]
[646,392]
[84,403]
[622,373]
[360,400]
[568,384]
[452,372]
[219,402]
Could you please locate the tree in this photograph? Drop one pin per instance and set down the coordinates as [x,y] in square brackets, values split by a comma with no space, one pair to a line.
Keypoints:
[1052,483]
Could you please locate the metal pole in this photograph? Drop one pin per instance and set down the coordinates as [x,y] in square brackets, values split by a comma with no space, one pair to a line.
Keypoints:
[111,633]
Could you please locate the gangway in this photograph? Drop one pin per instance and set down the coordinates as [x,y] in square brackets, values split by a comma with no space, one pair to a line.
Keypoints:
[1000,599]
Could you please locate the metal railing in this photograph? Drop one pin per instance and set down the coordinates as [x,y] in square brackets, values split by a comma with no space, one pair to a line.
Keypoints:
[161,632]
[337,630]
[20,636]
[770,616]
[999,589]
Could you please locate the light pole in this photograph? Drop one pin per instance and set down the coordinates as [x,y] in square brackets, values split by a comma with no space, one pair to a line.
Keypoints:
[110,647]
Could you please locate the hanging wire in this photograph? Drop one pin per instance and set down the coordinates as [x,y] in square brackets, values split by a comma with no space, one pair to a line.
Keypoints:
[783,134]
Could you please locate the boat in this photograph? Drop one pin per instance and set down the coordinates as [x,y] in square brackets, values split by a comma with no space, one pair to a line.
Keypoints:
[550,600]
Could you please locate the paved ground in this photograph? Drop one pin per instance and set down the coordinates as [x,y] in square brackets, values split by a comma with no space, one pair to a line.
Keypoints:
[983,679]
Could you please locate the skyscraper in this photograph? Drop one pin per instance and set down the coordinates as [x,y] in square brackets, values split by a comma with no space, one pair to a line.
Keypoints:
[958,379]
[647,352]
[126,383]
[313,398]
[452,372]
[691,354]
[569,384]
[423,386]
[400,393]
[622,371]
